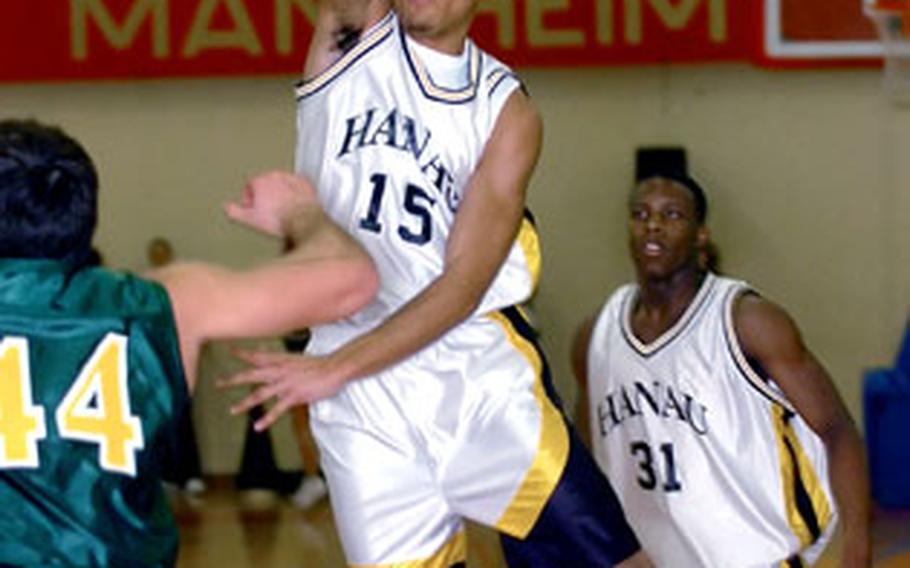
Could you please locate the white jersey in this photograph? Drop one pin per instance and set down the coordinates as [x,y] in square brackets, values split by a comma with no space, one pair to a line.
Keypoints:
[464,428]
[711,464]
[376,147]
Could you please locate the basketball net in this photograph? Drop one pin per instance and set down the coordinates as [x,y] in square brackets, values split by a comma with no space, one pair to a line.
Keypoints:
[892,21]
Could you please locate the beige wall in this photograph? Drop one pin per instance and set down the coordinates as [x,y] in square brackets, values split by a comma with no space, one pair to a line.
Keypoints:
[806,177]
[806,173]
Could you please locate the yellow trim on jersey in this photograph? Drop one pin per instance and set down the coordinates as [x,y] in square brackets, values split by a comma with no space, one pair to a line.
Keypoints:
[819,501]
[795,561]
[451,553]
[552,448]
[530,245]
[523,310]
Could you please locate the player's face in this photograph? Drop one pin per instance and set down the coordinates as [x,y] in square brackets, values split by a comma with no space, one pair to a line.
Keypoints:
[439,24]
[664,233]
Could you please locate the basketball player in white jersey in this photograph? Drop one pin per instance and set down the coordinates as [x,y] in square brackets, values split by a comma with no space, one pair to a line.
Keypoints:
[721,432]
[436,405]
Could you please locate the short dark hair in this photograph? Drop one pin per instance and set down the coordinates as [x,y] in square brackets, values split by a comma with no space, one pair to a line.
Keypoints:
[48,194]
[698,194]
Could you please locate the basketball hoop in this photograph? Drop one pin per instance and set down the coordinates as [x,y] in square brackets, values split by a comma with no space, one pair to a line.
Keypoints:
[892,21]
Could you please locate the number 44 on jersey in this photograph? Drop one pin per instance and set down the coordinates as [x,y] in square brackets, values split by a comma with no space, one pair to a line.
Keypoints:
[95,409]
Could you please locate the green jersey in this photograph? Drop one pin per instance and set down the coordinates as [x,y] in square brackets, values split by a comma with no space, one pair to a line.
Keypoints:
[91,381]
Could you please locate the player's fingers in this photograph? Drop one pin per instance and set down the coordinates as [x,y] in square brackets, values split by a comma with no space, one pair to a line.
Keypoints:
[245,404]
[255,398]
[274,413]
[260,358]
[251,376]
[236,212]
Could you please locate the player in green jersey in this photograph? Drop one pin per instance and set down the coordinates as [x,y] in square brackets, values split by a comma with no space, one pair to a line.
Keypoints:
[95,364]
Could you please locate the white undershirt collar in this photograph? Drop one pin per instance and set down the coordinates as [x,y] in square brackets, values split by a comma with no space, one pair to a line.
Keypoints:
[447,71]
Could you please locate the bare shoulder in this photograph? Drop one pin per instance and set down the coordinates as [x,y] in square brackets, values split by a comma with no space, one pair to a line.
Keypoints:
[763,326]
[184,276]
[520,113]
[188,285]
[517,137]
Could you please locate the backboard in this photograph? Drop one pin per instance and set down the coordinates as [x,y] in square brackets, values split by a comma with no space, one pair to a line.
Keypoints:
[818,31]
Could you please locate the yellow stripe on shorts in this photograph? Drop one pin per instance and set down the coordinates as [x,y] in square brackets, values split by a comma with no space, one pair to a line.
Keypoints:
[552,447]
[530,245]
[453,552]
[799,472]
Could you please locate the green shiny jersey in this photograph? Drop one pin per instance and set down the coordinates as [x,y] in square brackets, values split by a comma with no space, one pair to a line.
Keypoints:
[91,361]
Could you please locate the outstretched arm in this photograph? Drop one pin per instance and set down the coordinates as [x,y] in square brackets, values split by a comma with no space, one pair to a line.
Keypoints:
[580,345]
[484,230]
[768,335]
[337,21]
[324,276]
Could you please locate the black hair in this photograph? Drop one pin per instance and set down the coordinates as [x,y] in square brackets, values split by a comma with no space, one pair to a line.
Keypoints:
[698,194]
[48,194]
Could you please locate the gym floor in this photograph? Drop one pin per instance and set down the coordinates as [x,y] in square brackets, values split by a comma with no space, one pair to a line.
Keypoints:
[258,530]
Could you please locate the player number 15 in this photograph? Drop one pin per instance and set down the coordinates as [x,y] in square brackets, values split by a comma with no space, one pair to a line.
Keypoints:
[416,202]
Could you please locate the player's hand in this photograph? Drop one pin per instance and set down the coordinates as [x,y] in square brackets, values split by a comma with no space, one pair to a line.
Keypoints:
[284,379]
[271,201]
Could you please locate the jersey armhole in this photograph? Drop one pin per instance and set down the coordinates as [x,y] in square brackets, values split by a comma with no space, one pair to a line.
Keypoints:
[499,84]
[754,377]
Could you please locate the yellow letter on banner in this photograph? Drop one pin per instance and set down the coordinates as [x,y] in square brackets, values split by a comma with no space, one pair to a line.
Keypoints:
[539,36]
[202,37]
[97,407]
[119,36]
[603,18]
[21,422]
[504,11]
[284,21]
[676,17]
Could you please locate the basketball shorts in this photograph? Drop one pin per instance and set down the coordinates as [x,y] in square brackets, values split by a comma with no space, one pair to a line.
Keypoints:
[467,428]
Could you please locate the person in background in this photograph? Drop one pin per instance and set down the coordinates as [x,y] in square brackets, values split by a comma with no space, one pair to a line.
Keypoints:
[721,431]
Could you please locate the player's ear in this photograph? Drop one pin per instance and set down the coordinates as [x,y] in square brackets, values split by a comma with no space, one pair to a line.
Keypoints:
[702,237]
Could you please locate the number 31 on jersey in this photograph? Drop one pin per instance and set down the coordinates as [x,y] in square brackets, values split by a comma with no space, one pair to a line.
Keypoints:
[95,409]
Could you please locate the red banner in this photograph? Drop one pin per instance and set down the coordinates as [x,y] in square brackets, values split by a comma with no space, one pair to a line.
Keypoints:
[615,32]
[76,39]
[85,39]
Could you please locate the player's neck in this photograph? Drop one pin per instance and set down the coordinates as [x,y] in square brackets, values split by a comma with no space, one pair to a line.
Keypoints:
[448,71]
[449,38]
[453,44]
[665,299]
